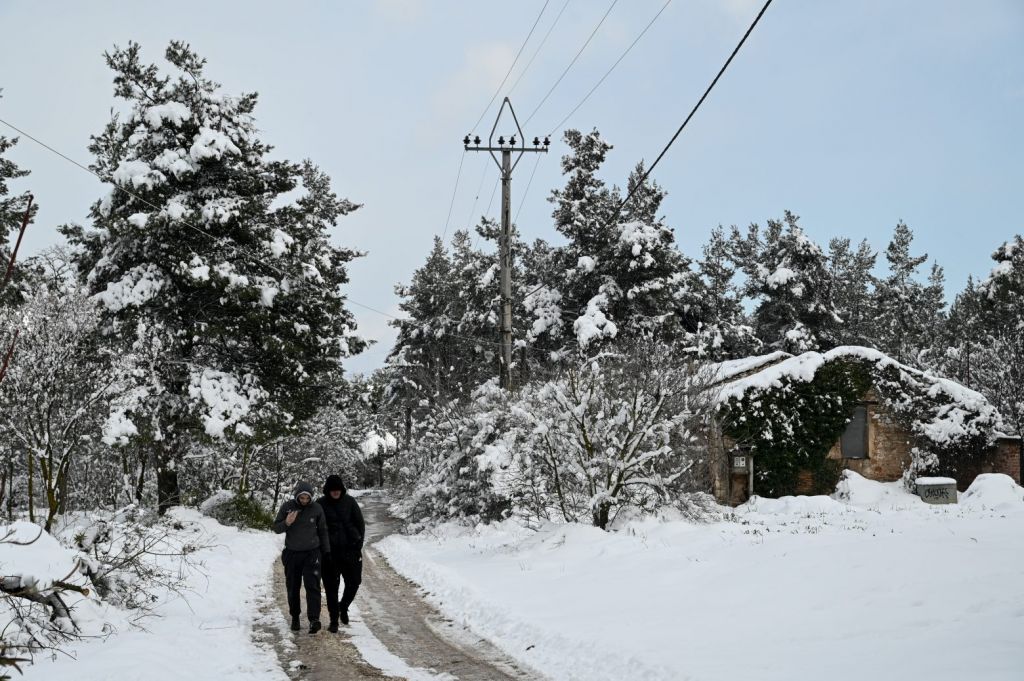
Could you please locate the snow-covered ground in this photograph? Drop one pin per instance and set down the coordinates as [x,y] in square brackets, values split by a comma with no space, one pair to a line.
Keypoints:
[207,635]
[872,583]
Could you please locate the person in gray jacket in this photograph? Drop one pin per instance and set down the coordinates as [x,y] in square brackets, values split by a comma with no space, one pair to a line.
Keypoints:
[305,545]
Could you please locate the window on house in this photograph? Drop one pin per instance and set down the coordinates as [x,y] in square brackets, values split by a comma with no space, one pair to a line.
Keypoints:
[854,442]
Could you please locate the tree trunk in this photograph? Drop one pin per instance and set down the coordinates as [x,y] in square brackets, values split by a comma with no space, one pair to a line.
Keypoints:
[31,487]
[168,493]
[601,513]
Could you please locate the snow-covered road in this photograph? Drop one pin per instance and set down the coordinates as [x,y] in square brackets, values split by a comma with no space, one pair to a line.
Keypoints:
[393,632]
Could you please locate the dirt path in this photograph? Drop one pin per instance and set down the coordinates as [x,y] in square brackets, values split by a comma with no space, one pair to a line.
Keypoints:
[391,607]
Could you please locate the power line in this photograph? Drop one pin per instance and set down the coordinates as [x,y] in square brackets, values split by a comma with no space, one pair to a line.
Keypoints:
[472,210]
[559,80]
[695,107]
[609,71]
[187,223]
[514,61]
[455,191]
[525,191]
[537,51]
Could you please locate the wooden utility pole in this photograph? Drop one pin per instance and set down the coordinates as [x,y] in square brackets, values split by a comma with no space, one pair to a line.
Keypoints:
[515,144]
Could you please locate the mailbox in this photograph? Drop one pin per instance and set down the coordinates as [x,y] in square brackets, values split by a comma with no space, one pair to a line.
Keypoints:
[741,463]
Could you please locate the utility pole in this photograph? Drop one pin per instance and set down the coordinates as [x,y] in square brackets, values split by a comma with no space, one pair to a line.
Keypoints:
[515,144]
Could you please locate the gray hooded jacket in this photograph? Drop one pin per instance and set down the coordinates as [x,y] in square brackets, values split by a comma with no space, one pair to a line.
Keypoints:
[309,531]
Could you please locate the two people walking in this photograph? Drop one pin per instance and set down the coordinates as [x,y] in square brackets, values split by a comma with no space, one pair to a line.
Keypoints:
[323,541]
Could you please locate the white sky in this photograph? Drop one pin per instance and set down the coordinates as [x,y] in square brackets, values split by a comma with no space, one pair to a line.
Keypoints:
[852,114]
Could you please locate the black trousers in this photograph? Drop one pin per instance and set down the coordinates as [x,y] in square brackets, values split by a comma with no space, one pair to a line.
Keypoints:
[347,566]
[302,568]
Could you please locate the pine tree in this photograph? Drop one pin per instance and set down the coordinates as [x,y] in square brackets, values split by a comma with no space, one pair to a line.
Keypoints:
[12,213]
[788,274]
[906,312]
[228,296]
[852,281]
[726,332]
[1000,368]
[620,273]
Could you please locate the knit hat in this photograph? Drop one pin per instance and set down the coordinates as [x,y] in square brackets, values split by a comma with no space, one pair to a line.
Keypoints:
[333,483]
[303,487]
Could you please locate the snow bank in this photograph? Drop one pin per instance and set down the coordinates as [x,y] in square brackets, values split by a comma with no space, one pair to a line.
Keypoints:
[857,491]
[206,635]
[870,583]
[994,491]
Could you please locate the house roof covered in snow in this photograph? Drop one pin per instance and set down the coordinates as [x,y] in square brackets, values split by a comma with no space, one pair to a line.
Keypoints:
[768,372]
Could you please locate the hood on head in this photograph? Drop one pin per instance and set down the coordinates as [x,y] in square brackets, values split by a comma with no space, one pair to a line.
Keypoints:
[303,487]
[333,482]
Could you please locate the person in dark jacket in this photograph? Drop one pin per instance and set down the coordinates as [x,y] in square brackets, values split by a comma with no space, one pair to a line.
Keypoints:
[346,529]
[306,544]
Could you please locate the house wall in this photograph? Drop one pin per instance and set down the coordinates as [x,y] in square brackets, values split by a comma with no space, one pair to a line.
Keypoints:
[1008,457]
[889,446]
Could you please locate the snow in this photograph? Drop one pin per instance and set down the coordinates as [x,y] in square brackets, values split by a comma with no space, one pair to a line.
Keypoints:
[543,302]
[780,277]
[207,636]
[586,263]
[724,371]
[227,401]
[593,324]
[874,585]
[374,443]
[267,295]
[993,491]
[280,243]
[934,481]
[137,174]
[175,161]
[488,276]
[212,144]
[175,113]
[138,286]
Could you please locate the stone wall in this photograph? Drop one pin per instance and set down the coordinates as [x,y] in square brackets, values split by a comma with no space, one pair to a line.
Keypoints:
[889,446]
[1008,457]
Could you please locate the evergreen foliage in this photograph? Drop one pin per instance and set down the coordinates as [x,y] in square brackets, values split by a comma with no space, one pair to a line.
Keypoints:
[229,298]
[788,276]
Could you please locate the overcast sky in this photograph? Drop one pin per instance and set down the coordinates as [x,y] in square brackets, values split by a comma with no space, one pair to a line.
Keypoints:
[852,114]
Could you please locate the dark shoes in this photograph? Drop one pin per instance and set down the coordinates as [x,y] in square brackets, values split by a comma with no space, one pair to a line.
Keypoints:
[314,626]
[333,626]
[344,616]
[295,624]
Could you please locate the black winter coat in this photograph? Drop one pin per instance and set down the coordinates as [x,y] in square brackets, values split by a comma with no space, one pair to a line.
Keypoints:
[345,526]
[308,532]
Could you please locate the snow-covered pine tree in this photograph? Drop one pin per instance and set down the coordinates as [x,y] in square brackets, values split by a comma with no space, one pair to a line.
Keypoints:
[726,332]
[1000,369]
[787,273]
[447,342]
[12,212]
[906,313]
[227,292]
[964,349]
[620,274]
[853,282]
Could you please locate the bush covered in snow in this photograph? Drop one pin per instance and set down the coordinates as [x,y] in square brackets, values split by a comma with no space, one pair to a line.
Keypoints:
[616,431]
[237,510]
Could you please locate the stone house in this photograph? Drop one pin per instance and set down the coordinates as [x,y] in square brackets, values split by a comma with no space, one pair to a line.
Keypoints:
[874,443]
